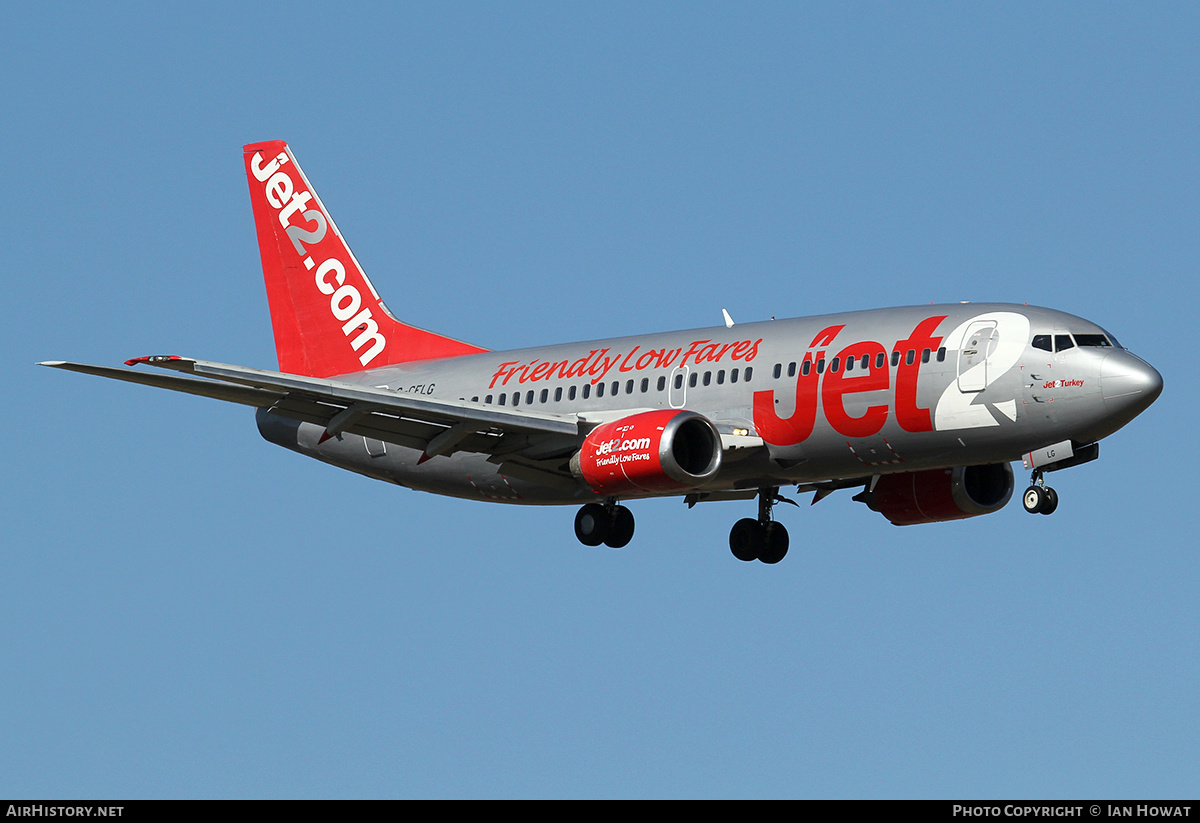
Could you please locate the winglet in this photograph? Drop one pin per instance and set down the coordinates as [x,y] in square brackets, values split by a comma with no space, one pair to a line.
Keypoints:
[156,359]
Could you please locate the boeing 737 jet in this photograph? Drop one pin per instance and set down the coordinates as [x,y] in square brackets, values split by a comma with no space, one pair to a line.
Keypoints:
[922,410]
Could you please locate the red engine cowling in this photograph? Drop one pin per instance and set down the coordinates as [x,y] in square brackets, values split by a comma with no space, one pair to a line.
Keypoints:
[656,451]
[936,495]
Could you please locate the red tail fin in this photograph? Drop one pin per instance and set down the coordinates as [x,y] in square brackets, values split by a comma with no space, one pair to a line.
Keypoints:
[328,318]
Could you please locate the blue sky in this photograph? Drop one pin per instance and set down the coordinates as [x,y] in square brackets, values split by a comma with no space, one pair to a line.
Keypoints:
[188,611]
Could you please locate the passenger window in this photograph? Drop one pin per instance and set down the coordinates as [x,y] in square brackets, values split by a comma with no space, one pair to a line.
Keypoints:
[692,380]
[778,370]
[488,400]
[1042,341]
[662,383]
[850,363]
[545,395]
[749,373]
[895,358]
[925,356]
[587,390]
[880,360]
[645,384]
[629,387]
[733,375]
[558,394]
[707,378]
[679,380]
[909,357]
[791,369]
[571,393]
[941,354]
[599,389]
[821,366]
[516,398]
[720,377]
[835,364]
[529,397]
[616,388]
[806,368]
[1062,342]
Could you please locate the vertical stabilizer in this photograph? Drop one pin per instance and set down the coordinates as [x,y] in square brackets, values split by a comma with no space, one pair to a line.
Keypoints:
[327,317]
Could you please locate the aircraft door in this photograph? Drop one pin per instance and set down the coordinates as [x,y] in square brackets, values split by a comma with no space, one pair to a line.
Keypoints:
[989,346]
[978,344]
[677,390]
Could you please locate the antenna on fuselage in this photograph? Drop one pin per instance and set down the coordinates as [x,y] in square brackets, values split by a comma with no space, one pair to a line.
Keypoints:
[728,319]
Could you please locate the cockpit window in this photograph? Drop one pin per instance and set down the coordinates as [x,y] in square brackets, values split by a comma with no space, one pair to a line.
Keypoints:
[1062,342]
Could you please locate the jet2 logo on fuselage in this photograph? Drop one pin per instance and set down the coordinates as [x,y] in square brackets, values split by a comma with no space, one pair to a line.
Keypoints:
[825,389]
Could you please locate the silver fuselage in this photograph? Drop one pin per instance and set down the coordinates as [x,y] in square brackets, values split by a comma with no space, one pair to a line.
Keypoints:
[929,387]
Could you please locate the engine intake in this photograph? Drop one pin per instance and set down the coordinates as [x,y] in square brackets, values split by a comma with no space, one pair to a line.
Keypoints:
[937,495]
[656,451]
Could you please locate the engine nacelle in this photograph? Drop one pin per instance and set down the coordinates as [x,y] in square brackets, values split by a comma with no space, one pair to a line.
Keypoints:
[656,451]
[936,495]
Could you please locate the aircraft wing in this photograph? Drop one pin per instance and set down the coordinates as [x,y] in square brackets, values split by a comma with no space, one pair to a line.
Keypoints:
[436,427]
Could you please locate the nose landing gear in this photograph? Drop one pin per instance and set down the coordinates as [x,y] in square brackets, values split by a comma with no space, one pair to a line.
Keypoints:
[762,539]
[605,523]
[1039,498]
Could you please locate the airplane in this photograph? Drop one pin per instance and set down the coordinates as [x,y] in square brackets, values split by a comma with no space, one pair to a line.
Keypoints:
[923,409]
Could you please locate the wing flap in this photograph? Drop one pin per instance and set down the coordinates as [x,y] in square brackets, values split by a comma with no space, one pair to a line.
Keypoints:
[442,411]
[365,410]
[380,425]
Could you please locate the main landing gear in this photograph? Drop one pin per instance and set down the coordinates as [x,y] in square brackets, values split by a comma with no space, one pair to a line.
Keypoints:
[762,539]
[1039,498]
[605,523]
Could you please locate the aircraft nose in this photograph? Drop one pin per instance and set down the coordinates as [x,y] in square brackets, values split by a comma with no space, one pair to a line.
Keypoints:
[1128,384]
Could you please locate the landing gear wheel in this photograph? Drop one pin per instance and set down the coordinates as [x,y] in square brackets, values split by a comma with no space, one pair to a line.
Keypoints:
[620,528]
[1040,500]
[1050,503]
[1034,499]
[775,543]
[745,538]
[762,539]
[609,524]
[592,524]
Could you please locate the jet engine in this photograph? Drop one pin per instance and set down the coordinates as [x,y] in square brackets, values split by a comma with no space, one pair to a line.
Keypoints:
[655,451]
[936,495]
